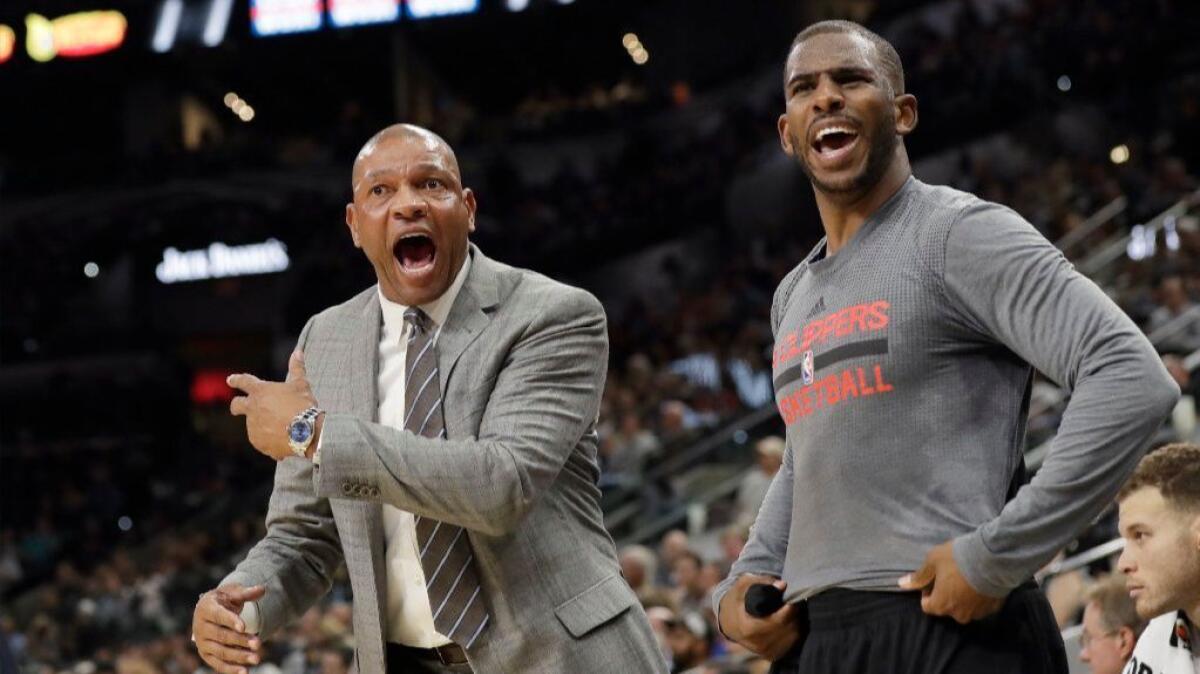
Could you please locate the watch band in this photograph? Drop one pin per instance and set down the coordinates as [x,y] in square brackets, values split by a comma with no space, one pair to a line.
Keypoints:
[308,416]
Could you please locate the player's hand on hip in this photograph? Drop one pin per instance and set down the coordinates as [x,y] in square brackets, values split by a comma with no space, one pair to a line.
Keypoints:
[771,637]
[270,406]
[219,632]
[945,591]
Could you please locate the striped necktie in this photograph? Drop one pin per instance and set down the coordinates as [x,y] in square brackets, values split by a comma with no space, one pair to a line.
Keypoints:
[450,577]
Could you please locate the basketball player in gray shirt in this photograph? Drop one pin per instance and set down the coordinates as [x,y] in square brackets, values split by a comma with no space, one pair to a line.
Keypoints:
[905,345]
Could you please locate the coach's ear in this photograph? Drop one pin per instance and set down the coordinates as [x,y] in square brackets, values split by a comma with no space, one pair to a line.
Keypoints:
[352,224]
[906,114]
[1195,531]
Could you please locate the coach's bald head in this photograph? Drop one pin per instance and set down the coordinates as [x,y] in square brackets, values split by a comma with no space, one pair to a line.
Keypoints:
[431,141]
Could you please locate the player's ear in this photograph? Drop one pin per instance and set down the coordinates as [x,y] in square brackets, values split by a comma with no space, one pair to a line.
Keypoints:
[785,138]
[906,114]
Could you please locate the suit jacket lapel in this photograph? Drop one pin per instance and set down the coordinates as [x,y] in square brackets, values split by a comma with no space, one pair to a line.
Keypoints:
[363,393]
[469,315]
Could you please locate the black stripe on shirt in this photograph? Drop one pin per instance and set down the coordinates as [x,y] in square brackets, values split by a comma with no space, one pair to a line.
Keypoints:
[870,347]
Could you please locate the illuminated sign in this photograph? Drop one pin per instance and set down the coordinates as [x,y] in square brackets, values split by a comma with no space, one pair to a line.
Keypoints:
[74,35]
[221,261]
[420,9]
[276,17]
[8,38]
[344,13]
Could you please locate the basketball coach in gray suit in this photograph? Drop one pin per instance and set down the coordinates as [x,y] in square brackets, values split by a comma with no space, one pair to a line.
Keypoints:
[437,433]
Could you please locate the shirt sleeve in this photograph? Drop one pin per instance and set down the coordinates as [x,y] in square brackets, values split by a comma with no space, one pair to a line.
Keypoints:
[766,549]
[1006,283]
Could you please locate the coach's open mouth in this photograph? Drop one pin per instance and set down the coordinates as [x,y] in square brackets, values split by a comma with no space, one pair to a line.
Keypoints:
[415,252]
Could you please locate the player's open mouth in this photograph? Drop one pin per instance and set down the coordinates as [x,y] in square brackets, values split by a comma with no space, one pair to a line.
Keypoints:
[834,143]
[415,253]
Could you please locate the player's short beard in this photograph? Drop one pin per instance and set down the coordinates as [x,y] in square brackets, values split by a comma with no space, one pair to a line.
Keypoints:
[879,157]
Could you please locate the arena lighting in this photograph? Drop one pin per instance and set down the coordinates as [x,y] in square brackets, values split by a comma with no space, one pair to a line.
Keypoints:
[1064,83]
[222,261]
[1142,243]
[74,35]
[167,27]
[278,17]
[217,22]
[8,38]
[91,270]
[239,107]
[421,9]
[345,13]
[1119,154]
[516,5]
[630,41]
[209,387]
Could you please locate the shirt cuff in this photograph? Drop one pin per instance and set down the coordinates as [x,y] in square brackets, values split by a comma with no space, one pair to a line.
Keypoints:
[977,565]
[316,457]
[250,617]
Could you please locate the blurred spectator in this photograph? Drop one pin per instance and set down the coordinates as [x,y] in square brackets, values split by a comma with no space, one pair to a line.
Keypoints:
[1173,304]
[1111,626]
[768,454]
[689,582]
[690,639]
[733,539]
[674,544]
[625,452]
[639,567]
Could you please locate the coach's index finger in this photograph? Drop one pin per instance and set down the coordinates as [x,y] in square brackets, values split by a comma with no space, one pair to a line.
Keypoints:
[244,382]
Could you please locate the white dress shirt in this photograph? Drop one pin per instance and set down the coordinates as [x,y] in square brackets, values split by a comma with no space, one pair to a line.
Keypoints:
[409,617]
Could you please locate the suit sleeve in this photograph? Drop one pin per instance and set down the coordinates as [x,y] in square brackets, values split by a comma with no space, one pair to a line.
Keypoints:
[1009,285]
[301,550]
[544,399]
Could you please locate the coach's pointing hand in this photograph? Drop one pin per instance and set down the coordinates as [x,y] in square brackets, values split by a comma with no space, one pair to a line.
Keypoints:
[269,407]
[944,590]
[771,637]
[219,632]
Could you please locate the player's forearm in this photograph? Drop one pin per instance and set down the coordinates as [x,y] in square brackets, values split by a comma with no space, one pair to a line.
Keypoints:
[766,548]
[1113,414]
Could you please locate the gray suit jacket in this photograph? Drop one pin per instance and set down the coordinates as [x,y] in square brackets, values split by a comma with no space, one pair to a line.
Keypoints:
[522,361]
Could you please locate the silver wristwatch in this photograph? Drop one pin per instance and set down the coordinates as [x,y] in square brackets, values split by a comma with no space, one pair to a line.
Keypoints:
[301,430]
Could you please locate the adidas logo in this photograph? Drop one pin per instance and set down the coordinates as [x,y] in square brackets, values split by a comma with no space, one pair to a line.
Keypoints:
[817,308]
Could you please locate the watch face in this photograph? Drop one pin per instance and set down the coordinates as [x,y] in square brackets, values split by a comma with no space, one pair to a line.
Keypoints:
[300,430]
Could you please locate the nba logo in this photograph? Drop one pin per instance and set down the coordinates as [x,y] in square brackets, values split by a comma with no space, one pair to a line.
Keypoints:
[806,367]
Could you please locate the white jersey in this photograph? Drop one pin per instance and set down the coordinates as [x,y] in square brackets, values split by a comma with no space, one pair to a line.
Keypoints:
[1168,646]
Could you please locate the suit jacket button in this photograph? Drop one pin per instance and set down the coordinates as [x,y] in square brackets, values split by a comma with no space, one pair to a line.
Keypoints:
[347,488]
[374,491]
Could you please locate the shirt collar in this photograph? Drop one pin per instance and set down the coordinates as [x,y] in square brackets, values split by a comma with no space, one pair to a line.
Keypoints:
[438,310]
